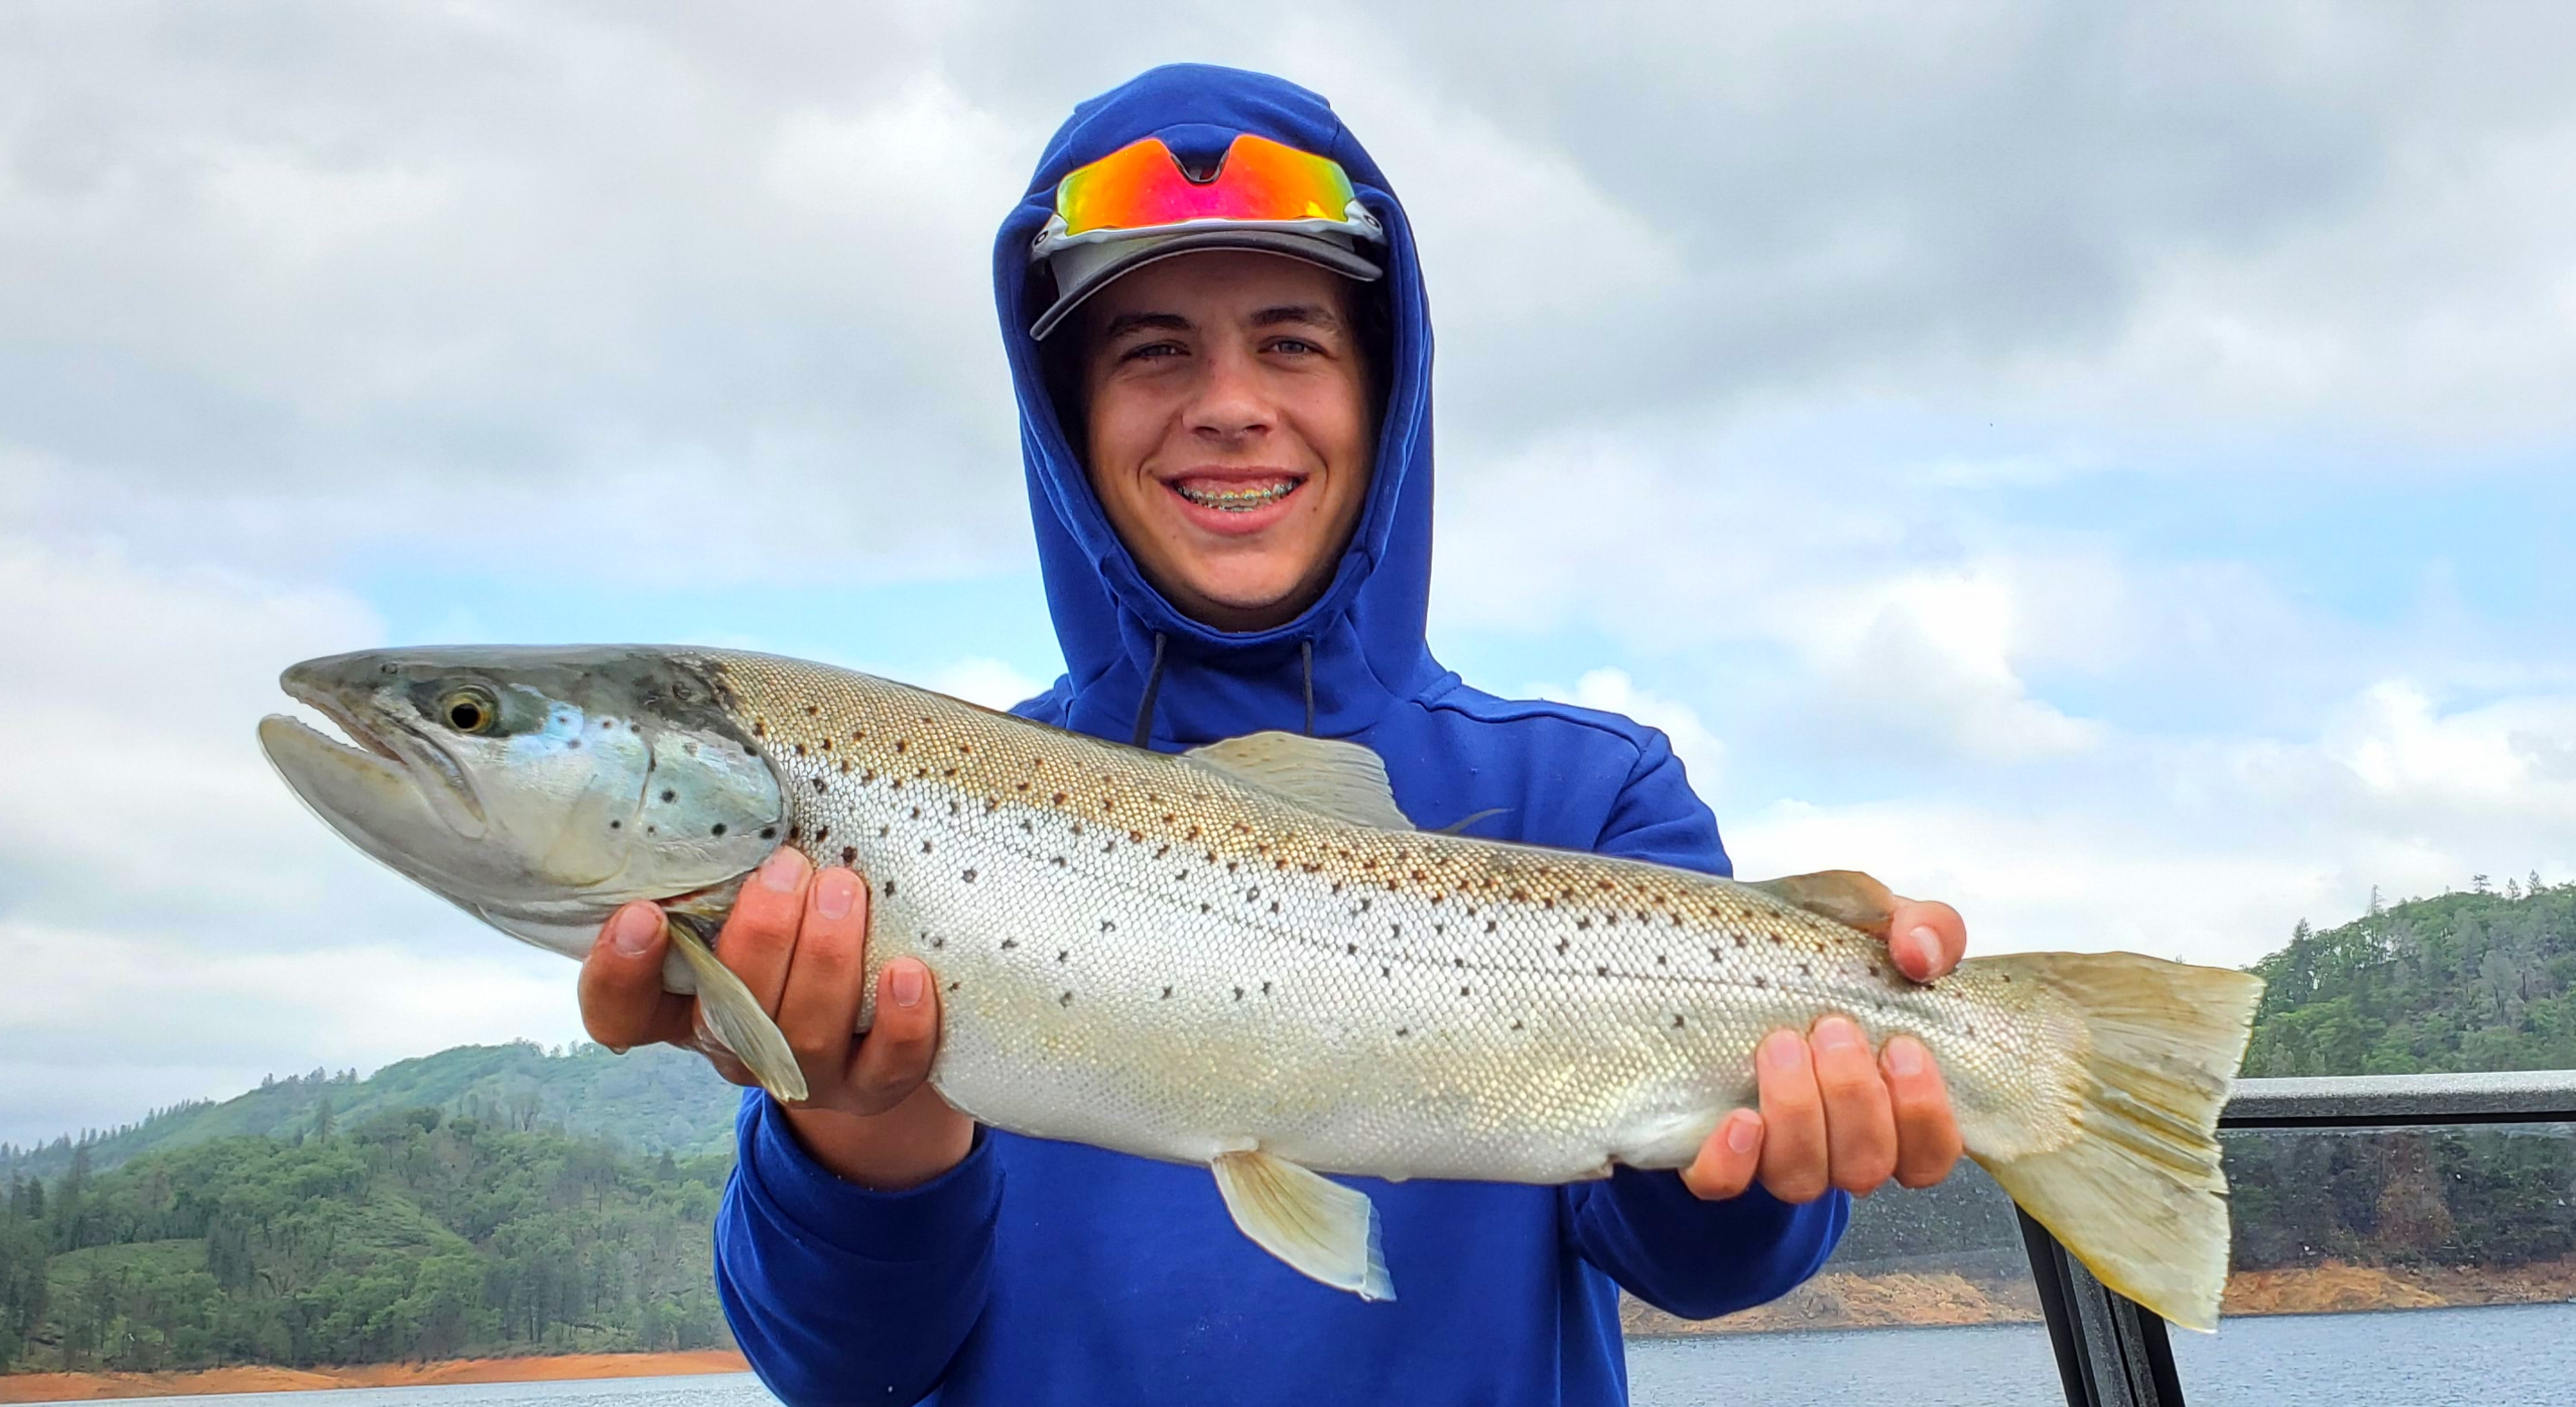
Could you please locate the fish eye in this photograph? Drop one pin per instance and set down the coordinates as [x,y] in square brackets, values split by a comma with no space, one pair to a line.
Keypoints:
[470,710]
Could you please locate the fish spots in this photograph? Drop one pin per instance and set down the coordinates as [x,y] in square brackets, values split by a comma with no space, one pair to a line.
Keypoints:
[889,888]
[1562,944]
[1489,925]
[1739,940]
[669,795]
[572,742]
[717,829]
[1678,1023]
[1238,994]
[1761,981]
[621,825]
[1462,991]
[1167,994]
[1062,953]
[1059,798]
[1403,1031]
[850,856]
[1583,923]
[820,785]
[1602,970]
[1350,950]
[1065,1000]
[1806,971]
[925,847]
[968,876]
[1516,1025]
[903,744]
[1010,943]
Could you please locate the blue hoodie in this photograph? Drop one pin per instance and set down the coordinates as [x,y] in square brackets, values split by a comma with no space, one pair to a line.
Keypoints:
[1039,1272]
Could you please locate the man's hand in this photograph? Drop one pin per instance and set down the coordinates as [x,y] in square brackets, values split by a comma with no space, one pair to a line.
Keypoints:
[798,940]
[1833,1117]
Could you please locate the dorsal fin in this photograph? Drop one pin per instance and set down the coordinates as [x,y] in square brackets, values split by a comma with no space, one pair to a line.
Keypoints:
[1343,780]
[1848,897]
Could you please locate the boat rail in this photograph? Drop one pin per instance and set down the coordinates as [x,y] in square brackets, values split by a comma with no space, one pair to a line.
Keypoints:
[2111,1353]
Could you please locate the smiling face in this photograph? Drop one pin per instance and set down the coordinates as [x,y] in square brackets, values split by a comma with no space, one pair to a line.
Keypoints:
[1229,430]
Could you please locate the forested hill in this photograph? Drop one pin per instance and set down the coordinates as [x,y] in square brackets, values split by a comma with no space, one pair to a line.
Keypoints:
[650,1100]
[409,1235]
[2475,981]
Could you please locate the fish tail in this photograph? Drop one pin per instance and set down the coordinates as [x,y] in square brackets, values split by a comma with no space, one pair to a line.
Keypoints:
[2137,1193]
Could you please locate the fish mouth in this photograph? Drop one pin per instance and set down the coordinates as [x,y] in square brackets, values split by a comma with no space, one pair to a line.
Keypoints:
[382,743]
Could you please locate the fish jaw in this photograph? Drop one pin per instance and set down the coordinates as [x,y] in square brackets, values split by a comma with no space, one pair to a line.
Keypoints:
[373,800]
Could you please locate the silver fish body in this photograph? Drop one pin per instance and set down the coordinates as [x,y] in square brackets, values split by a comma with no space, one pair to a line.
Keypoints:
[1243,958]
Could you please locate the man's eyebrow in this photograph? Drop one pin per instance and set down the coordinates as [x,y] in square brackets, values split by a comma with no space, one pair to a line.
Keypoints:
[1311,314]
[1126,323]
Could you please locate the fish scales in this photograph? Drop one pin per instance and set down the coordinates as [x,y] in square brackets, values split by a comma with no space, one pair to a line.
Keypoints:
[1245,956]
[1140,952]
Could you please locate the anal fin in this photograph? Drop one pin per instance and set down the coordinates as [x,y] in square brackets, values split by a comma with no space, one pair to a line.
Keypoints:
[1323,1230]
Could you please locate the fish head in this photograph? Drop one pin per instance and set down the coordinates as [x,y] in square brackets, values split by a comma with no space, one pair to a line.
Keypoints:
[536,788]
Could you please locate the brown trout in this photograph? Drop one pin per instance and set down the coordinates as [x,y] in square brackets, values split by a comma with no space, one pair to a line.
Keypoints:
[1245,957]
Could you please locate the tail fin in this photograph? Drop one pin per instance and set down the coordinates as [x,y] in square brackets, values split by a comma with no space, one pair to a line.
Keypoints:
[2138,1195]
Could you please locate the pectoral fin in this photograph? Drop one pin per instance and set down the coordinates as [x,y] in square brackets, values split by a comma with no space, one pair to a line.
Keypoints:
[735,1016]
[1323,1230]
[1848,897]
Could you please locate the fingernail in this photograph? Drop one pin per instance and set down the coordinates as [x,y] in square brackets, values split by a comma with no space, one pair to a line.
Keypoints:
[1780,1049]
[903,982]
[1836,1033]
[783,870]
[634,929]
[1927,949]
[1904,1057]
[835,892]
[1742,1132]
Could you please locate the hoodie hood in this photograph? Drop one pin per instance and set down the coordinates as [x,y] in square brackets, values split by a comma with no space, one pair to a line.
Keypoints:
[1364,636]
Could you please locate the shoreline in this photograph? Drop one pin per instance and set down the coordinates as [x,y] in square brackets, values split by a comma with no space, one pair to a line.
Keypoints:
[1831,1301]
[259,1377]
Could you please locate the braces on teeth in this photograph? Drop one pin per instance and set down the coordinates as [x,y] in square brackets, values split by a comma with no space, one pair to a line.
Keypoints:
[1237,500]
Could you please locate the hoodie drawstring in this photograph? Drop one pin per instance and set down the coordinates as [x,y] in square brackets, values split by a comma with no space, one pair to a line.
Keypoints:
[1153,685]
[1307,649]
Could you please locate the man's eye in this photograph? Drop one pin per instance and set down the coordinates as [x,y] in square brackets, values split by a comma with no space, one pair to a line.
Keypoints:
[1294,344]
[1150,351]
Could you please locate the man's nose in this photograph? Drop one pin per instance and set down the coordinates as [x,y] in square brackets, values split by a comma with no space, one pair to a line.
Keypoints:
[1232,401]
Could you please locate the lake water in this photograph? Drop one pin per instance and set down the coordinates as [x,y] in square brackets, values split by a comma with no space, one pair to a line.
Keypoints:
[2513,1356]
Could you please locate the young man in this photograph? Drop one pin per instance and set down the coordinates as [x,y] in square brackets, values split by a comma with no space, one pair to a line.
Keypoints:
[1212,292]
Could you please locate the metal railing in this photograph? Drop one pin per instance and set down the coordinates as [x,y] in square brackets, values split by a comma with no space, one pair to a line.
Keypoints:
[2111,1353]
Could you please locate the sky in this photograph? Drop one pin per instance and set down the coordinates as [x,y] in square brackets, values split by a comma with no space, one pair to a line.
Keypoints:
[2109,467]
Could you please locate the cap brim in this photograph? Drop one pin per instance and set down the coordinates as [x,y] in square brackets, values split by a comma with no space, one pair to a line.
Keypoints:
[1322,253]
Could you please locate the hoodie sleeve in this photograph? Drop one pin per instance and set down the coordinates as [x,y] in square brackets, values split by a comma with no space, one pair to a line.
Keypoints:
[839,1294]
[1644,1229]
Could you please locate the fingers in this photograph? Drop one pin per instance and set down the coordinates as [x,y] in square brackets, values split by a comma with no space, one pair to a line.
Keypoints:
[1926,938]
[818,1007]
[1728,1160]
[622,1001]
[895,1057]
[1793,1119]
[1927,1132]
[759,937]
[1860,1125]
